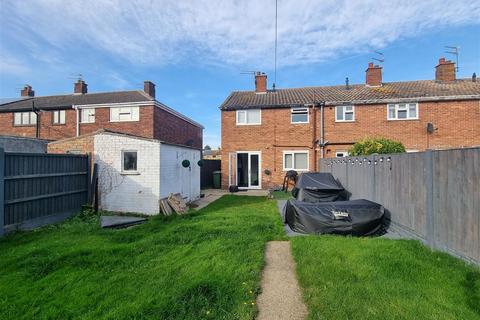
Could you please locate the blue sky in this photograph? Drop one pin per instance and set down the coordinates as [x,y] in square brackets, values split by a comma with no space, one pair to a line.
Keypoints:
[194,51]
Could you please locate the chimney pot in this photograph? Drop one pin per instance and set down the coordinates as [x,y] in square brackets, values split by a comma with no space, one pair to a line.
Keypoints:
[80,87]
[149,88]
[373,75]
[27,91]
[445,70]
[260,82]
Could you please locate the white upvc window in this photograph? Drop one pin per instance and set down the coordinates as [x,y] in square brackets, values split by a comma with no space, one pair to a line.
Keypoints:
[295,160]
[341,154]
[402,111]
[24,118]
[59,117]
[123,114]
[299,115]
[87,115]
[249,117]
[344,113]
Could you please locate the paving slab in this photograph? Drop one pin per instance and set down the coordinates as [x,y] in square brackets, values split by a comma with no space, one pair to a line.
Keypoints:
[120,221]
[281,297]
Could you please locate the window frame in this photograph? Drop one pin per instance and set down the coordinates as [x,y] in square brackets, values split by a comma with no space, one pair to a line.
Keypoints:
[131,114]
[344,112]
[21,124]
[123,171]
[87,109]
[296,111]
[344,152]
[246,117]
[292,153]
[59,112]
[407,109]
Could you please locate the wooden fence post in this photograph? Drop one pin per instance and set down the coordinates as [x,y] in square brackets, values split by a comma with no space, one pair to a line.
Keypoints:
[2,191]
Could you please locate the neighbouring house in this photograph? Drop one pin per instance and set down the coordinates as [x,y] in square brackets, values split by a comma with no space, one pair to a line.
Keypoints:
[23,144]
[134,112]
[209,154]
[136,172]
[268,132]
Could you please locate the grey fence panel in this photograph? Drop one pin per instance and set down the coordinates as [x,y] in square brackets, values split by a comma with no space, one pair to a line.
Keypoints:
[43,188]
[433,196]
[2,192]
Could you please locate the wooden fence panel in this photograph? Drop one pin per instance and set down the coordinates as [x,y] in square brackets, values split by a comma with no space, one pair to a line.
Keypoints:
[43,188]
[433,196]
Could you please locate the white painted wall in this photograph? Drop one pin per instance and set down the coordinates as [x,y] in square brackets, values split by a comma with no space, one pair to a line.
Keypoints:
[174,178]
[127,192]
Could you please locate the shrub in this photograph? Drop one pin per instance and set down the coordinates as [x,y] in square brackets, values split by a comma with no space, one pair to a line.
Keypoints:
[368,146]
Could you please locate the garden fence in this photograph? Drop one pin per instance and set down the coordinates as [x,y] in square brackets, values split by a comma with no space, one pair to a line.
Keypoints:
[206,172]
[39,189]
[433,196]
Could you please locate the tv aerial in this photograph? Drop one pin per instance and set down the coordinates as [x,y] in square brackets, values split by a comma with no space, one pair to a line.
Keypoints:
[454,50]
[380,57]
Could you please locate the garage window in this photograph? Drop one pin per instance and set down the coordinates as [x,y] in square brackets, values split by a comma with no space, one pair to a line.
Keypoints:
[129,161]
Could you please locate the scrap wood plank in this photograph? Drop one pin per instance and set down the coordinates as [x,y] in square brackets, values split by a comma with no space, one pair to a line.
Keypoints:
[165,207]
[177,203]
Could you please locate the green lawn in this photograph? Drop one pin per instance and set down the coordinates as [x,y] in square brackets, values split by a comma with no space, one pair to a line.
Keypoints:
[282,195]
[202,266]
[368,278]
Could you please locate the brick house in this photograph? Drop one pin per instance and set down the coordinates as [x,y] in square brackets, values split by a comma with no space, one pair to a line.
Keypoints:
[267,132]
[133,112]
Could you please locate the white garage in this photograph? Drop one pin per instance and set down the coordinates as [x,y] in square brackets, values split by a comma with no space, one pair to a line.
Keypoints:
[135,173]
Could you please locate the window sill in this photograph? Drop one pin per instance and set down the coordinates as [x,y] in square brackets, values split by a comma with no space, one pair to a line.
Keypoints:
[248,124]
[59,124]
[87,122]
[298,170]
[130,173]
[343,121]
[114,121]
[299,122]
[411,119]
[23,125]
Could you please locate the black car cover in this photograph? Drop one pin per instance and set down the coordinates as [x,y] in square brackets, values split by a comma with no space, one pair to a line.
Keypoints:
[355,217]
[317,187]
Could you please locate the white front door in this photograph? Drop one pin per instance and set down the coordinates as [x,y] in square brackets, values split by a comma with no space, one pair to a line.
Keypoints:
[249,170]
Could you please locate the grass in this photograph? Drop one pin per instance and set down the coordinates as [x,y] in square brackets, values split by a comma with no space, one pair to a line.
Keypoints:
[373,278]
[282,195]
[205,265]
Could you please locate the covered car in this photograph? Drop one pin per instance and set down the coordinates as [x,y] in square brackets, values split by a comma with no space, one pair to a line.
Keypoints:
[355,217]
[317,187]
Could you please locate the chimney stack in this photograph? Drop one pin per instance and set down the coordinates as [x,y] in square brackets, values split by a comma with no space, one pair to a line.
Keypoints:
[445,70]
[373,75]
[80,87]
[149,88]
[260,82]
[27,91]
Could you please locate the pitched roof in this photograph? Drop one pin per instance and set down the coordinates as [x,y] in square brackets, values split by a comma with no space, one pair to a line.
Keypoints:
[67,100]
[423,90]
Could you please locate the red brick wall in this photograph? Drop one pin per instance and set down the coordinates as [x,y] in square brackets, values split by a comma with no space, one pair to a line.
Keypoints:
[170,128]
[457,124]
[154,123]
[82,144]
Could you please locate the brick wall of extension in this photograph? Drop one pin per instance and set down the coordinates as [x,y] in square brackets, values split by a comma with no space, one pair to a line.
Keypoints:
[456,124]
[154,123]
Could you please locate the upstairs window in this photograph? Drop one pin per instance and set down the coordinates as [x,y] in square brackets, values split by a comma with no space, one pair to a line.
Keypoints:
[121,114]
[295,160]
[87,115]
[24,118]
[344,113]
[402,111]
[59,117]
[129,161]
[249,117]
[299,115]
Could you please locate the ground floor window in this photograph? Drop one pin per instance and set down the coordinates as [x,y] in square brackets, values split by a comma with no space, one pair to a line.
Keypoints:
[129,161]
[295,160]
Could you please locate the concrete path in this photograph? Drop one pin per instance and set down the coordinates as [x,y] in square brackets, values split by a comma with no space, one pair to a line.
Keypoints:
[281,297]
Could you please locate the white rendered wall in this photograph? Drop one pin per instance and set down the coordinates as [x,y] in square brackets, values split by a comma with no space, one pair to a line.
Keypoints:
[174,178]
[128,192]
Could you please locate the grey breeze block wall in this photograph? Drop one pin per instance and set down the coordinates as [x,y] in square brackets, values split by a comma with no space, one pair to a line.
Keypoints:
[433,196]
[20,144]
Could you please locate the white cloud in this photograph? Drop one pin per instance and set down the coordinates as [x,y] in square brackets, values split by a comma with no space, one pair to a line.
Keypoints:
[229,32]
